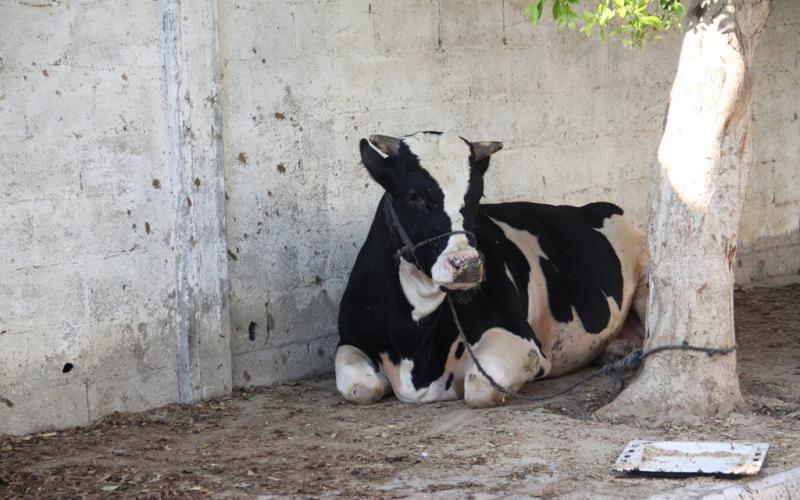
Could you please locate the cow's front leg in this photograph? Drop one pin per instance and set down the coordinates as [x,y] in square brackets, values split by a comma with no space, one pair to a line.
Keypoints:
[356,377]
[509,359]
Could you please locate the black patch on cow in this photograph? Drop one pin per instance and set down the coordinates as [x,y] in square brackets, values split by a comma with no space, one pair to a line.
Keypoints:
[462,297]
[581,268]
[502,254]
[597,213]
[449,382]
[459,350]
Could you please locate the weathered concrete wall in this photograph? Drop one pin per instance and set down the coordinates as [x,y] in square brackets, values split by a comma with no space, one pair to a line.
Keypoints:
[85,213]
[115,202]
[107,301]
[770,227]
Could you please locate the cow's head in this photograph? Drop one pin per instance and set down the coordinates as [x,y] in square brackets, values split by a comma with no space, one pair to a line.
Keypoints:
[436,182]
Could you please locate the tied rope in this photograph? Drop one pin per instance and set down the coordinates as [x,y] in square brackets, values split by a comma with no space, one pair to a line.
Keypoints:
[616,369]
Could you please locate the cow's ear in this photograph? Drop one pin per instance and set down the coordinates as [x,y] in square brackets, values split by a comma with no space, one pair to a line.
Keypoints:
[377,166]
[482,151]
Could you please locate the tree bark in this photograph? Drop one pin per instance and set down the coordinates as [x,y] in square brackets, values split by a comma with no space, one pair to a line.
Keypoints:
[695,203]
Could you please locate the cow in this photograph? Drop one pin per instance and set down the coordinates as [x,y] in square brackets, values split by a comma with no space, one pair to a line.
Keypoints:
[540,290]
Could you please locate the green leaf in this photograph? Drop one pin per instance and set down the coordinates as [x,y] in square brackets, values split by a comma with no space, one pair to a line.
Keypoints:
[651,21]
[587,29]
[108,488]
[534,11]
[634,22]
[569,13]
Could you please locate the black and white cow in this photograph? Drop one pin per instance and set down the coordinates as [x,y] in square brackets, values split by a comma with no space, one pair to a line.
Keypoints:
[540,292]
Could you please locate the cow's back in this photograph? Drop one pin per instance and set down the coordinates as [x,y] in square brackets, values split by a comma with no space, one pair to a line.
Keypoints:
[583,267]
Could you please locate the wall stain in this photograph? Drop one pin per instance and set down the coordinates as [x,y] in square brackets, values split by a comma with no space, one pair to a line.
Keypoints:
[156,183]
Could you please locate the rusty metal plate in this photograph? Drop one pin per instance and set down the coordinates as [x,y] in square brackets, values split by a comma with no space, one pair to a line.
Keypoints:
[692,458]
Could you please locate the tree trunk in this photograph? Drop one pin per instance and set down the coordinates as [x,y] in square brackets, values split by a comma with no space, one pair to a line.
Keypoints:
[695,202]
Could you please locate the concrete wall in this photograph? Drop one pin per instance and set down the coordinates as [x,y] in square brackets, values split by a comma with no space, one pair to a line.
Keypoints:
[770,227]
[160,158]
[85,212]
[102,307]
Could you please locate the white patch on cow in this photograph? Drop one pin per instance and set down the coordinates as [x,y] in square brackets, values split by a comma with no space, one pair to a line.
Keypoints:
[446,158]
[511,278]
[356,377]
[421,292]
[509,359]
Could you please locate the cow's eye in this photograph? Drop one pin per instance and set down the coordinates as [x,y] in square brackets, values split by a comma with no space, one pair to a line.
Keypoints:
[415,200]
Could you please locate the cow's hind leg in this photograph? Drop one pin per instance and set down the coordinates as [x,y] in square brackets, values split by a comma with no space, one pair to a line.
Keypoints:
[356,377]
[632,332]
[509,359]
[633,329]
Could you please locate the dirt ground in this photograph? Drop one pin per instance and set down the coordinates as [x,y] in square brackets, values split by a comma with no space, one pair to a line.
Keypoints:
[302,439]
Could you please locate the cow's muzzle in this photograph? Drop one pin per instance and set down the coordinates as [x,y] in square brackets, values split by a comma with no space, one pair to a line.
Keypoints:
[463,268]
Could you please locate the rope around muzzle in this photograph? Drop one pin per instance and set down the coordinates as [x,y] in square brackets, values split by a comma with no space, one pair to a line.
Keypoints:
[616,369]
[409,247]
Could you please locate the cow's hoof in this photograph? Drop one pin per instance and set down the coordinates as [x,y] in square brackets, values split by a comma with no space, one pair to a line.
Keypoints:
[479,393]
[362,394]
[616,350]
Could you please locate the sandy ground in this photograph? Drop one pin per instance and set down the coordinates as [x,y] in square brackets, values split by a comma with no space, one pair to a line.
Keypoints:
[302,439]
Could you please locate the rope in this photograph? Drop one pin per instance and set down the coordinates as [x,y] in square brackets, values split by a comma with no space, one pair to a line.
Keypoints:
[616,369]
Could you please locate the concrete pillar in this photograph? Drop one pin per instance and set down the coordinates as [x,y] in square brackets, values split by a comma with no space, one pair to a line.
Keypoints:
[202,323]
